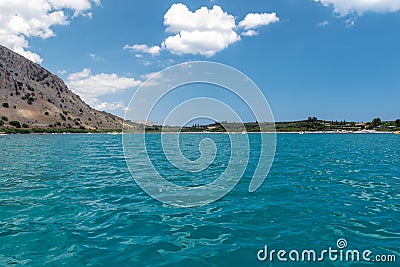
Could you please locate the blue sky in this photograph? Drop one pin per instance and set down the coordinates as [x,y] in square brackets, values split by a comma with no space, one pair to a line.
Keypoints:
[332,59]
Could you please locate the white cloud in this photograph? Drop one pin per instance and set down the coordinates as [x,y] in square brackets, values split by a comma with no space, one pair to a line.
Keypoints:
[346,7]
[142,48]
[204,31]
[76,5]
[350,22]
[179,18]
[255,20]
[90,87]
[148,75]
[62,72]
[249,33]
[95,57]
[21,19]
[205,43]
[109,106]
[323,23]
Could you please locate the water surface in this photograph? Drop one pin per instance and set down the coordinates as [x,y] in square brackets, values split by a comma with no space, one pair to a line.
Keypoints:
[70,200]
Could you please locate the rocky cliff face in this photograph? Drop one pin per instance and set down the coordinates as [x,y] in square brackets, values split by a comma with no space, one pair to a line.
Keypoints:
[36,98]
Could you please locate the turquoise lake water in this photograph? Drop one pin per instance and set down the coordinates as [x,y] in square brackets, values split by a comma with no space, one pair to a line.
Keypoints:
[70,200]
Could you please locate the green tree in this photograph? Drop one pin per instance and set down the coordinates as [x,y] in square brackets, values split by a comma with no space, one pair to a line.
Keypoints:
[4,118]
[376,122]
[16,124]
[1,123]
[397,122]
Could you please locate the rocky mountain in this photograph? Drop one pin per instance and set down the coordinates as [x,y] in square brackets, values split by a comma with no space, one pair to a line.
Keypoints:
[33,97]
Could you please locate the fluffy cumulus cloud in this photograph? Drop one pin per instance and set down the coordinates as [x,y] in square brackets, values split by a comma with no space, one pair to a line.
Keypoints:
[346,7]
[90,87]
[204,31]
[21,19]
[142,48]
[254,20]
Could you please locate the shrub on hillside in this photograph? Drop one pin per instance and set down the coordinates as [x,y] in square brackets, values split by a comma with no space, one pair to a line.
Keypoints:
[16,124]
[63,117]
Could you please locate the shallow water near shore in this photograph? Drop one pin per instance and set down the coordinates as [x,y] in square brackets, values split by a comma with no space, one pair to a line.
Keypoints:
[71,200]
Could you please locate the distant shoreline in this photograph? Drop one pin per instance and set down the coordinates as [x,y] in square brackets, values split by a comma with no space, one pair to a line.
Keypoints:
[120,131]
[312,125]
[159,133]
